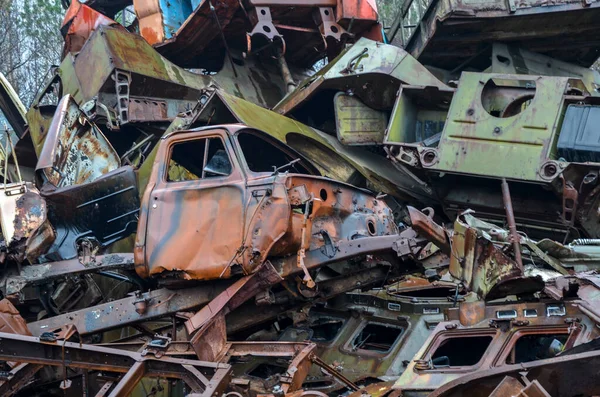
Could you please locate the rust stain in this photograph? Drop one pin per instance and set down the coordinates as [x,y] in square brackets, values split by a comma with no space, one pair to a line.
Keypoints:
[150,35]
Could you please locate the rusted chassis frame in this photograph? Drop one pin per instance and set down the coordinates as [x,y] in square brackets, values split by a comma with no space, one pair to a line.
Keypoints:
[202,377]
[161,302]
[402,245]
[165,302]
[41,274]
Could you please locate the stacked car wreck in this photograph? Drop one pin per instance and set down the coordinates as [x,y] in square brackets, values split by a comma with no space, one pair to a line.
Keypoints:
[243,198]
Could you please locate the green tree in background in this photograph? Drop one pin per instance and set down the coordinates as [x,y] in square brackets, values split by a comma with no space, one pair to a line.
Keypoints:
[388,10]
[30,42]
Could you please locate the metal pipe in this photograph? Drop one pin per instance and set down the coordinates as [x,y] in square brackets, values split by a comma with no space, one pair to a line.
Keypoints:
[214,13]
[137,281]
[338,375]
[512,226]
[286,74]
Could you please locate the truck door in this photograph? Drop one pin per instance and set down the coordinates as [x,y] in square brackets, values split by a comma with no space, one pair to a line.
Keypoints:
[196,209]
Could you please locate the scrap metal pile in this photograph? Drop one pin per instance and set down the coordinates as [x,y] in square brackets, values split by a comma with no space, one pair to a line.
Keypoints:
[245,198]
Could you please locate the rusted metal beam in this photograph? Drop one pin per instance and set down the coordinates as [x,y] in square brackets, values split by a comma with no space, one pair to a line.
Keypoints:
[512,226]
[18,377]
[265,349]
[403,245]
[122,312]
[37,274]
[218,382]
[105,388]
[286,74]
[210,320]
[129,380]
[298,369]
[242,290]
[315,359]
[28,349]
[425,226]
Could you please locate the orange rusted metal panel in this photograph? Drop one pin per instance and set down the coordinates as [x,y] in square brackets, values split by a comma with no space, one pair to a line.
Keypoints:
[357,10]
[425,225]
[81,21]
[150,20]
[10,319]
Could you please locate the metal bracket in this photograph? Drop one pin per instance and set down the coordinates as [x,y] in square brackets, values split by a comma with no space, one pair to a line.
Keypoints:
[112,125]
[328,249]
[329,27]
[122,83]
[408,156]
[87,249]
[307,280]
[157,346]
[141,302]
[264,27]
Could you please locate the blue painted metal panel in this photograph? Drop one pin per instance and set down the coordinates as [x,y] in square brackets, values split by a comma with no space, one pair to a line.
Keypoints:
[196,3]
[174,12]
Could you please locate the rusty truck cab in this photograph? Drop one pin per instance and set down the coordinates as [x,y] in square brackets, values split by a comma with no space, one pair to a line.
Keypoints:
[203,186]
[221,200]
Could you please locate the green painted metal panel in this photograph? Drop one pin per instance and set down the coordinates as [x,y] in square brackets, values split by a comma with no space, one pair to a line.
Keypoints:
[356,123]
[496,142]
